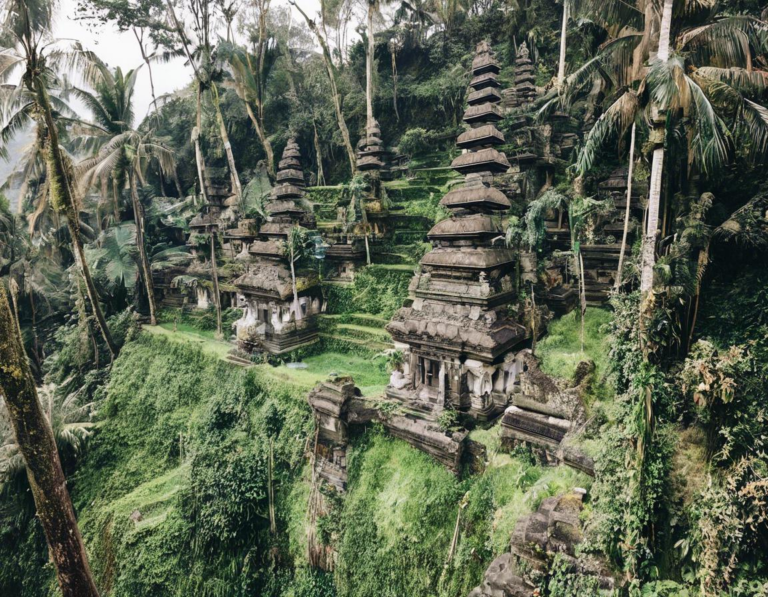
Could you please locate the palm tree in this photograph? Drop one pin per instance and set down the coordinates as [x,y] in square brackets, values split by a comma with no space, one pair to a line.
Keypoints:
[295,248]
[37,444]
[708,92]
[28,24]
[123,155]
[249,73]
[201,59]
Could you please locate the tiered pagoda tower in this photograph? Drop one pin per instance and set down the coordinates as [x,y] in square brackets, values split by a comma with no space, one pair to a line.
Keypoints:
[456,332]
[273,319]
[525,87]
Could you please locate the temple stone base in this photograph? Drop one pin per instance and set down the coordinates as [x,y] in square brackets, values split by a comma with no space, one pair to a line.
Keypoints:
[337,404]
[292,337]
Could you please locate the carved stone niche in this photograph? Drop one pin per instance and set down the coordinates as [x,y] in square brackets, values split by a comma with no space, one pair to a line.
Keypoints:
[543,415]
[329,401]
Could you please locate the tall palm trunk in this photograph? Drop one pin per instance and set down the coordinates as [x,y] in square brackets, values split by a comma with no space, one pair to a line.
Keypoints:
[657,164]
[227,145]
[216,293]
[369,65]
[336,96]
[296,307]
[138,216]
[38,447]
[394,81]
[196,138]
[319,157]
[62,194]
[620,270]
[563,46]
[116,201]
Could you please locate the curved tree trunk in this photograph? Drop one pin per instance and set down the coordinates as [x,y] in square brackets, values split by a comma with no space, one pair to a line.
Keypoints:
[331,70]
[227,145]
[138,216]
[61,187]
[46,477]
[265,142]
[620,269]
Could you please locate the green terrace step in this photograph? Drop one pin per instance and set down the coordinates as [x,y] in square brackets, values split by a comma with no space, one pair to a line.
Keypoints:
[359,332]
[360,319]
[369,344]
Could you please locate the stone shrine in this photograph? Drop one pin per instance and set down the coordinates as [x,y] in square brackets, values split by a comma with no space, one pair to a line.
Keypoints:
[274,318]
[457,332]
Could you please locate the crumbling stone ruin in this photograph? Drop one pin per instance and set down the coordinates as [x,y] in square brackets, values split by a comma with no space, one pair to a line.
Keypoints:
[554,530]
[275,318]
[544,415]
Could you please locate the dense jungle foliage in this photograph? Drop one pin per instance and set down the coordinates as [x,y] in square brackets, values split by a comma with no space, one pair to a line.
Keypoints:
[189,462]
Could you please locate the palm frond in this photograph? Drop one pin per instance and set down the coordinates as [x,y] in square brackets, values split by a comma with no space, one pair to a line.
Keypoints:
[614,122]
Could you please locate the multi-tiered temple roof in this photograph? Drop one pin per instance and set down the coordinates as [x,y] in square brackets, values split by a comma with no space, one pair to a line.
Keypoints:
[272,319]
[456,329]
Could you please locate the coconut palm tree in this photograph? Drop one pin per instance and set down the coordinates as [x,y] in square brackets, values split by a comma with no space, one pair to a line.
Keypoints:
[333,76]
[701,82]
[124,154]
[31,49]
[249,73]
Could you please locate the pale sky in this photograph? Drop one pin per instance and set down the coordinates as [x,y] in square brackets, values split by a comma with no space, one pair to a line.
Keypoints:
[122,49]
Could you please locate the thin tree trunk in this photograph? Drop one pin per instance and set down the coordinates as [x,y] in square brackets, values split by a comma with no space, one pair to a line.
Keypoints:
[583,301]
[215,276]
[369,66]
[46,478]
[319,157]
[272,521]
[265,142]
[116,201]
[563,43]
[331,70]
[227,145]
[394,82]
[177,183]
[196,139]
[296,307]
[657,164]
[60,180]
[620,270]
[140,41]
[138,216]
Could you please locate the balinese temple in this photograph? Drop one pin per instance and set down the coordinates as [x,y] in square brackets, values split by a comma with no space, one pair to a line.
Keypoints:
[206,222]
[455,331]
[272,320]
